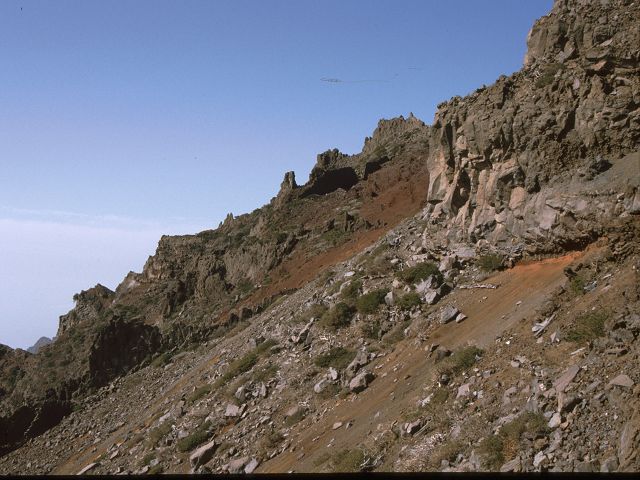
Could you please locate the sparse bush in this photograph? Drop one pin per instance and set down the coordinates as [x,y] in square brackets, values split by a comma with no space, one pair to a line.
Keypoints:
[449,452]
[506,443]
[265,373]
[460,361]
[241,365]
[490,262]
[335,237]
[588,327]
[348,460]
[408,301]
[314,311]
[419,272]
[351,291]
[396,334]
[576,285]
[264,346]
[158,433]
[245,286]
[201,435]
[371,329]
[337,357]
[155,470]
[199,393]
[369,302]
[161,360]
[338,316]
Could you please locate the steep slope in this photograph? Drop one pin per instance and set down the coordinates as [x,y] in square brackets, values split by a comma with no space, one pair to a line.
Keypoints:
[541,162]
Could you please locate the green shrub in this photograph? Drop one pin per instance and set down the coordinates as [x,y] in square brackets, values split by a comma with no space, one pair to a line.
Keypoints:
[199,393]
[337,357]
[338,316]
[369,302]
[348,460]
[371,329]
[505,445]
[201,435]
[396,334]
[408,301]
[419,272]
[239,366]
[351,291]
[264,346]
[576,285]
[245,286]
[265,373]
[588,327]
[158,433]
[155,470]
[161,360]
[460,361]
[490,262]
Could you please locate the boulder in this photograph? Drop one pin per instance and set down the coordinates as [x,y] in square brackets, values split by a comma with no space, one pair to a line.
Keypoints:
[361,381]
[448,313]
[622,380]
[361,359]
[232,410]
[566,378]
[237,465]
[203,454]
[251,466]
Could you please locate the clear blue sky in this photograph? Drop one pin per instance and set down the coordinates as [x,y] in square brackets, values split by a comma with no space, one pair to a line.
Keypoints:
[120,120]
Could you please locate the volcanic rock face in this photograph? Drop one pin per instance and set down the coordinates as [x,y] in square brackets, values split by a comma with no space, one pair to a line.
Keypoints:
[544,161]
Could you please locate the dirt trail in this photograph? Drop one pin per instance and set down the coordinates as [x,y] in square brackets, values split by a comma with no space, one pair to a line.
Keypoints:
[402,374]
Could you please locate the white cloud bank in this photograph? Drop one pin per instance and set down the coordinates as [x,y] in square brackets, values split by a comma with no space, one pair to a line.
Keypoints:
[43,263]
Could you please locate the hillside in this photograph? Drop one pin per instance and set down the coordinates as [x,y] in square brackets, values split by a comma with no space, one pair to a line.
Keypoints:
[459,296]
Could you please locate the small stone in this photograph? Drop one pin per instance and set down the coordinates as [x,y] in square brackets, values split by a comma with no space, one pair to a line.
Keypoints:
[555,421]
[622,380]
[566,378]
[361,381]
[463,390]
[540,459]
[448,314]
[203,454]
[336,425]
[232,410]
[251,466]
[511,466]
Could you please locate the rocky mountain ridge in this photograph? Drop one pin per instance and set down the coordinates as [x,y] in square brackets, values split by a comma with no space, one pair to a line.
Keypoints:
[542,162]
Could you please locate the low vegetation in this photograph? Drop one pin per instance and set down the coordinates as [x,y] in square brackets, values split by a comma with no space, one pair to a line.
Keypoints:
[409,301]
[490,262]
[348,460]
[588,327]
[338,316]
[419,272]
[244,363]
[460,361]
[337,357]
[369,302]
[158,433]
[201,435]
[505,445]
[351,291]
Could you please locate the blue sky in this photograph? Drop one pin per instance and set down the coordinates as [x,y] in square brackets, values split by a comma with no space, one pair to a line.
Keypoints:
[123,120]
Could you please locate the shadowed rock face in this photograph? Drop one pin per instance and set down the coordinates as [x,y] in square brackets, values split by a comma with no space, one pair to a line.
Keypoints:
[331,181]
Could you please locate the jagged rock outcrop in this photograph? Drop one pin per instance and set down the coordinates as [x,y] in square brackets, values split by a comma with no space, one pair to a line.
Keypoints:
[90,304]
[42,342]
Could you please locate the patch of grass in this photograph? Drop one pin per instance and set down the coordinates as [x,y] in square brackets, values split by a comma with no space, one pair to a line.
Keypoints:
[201,435]
[155,470]
[505,445]
[264,346]
[490,262]
[335,237]
[369,302]
[396,334]
[348,460]
[371,329]
[245,286]
[460,361]
[199,393]
[146,460]
[449,451]
[419,272]
[351,291]
[337,357]
[161,360]
[265,373]
[588,327]
[314,311]
[158,433]
[408,301]
[338,316]
[238,367]
[576,285]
